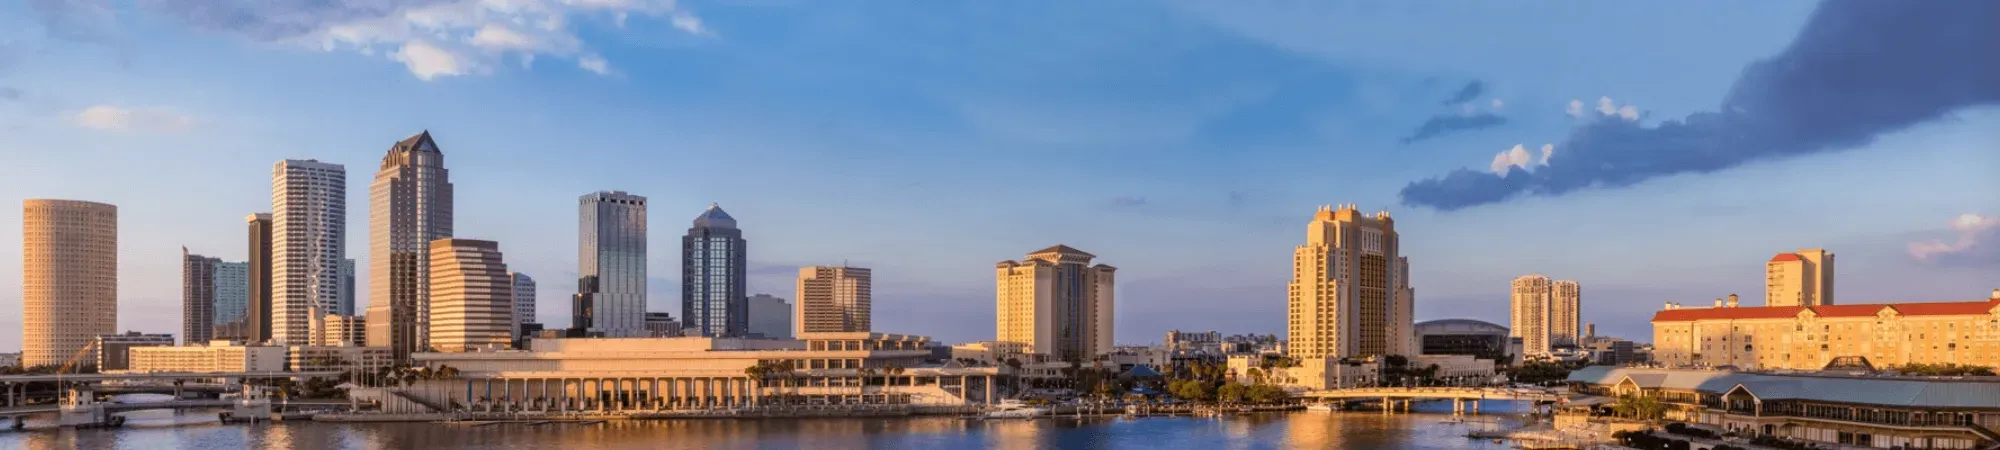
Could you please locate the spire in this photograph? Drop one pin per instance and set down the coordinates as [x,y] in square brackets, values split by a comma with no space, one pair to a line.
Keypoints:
[421,142]
[714,217]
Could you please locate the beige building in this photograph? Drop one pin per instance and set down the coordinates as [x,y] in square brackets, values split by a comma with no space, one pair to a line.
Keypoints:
[472,297]
[69,278]
[217,356]
[1545,313]
[1833,410]
[1804,278]
[1811,337]
[409,206]
[833,300]
[336,330]
[1350,293]
[1056,303]
[368,360]
[308,245]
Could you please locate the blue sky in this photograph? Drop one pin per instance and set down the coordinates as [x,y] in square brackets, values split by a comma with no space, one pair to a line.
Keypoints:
[1186,142]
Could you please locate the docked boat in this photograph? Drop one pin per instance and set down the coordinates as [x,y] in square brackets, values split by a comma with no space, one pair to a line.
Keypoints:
[1014,409]
[1321,407]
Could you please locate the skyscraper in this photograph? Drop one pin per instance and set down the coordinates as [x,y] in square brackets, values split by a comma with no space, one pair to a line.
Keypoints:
[770,316]
[713,277]
[524,300]
[257,319]
[472,296]
[1056,303]
[833,299]
[346,305]
[197,297]
[232,300]
[69,278]
[308,243]
[1350,293]
[610,264]
[1804,278]
[409,206]
[1545,313]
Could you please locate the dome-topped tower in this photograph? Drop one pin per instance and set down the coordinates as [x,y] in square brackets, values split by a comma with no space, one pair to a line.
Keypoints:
[714,217]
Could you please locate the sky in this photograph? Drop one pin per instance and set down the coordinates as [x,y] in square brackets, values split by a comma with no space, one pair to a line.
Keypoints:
[1652,151]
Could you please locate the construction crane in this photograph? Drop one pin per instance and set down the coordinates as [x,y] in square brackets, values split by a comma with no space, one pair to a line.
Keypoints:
[71,364]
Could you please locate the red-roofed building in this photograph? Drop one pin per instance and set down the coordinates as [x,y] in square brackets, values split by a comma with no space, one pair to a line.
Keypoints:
[1808,337]
[1804,278]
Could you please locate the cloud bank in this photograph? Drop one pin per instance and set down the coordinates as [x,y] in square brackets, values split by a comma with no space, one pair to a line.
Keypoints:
[431,38]
[1858,69]
[1978,244]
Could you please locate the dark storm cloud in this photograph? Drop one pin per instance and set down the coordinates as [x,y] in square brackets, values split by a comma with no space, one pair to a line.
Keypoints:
[1440,125]
[1467,93]
[1859,68]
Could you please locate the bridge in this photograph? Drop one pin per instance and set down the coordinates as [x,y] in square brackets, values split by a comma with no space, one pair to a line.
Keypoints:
[172,404]
[97,377]
[1460,396]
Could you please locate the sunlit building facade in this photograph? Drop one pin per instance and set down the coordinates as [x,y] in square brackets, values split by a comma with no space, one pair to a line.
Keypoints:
[69,278]
[611,264]
[834,299]
[1056,303]
[308,245]
[714,280]
[1350,293]
[1811,337]
[409,206]
[1802,278]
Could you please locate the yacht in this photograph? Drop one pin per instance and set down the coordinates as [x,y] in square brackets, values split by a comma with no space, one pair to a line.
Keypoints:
[1321,407]
[1014,409]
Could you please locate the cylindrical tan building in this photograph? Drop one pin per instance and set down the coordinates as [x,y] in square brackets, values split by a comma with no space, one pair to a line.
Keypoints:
[69,278]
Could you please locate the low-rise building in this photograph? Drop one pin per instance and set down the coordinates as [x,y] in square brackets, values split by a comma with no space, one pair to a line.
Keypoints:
[1479,339]
[1810,337]
[217,356]
[1866,412]
[659,324]
[1456,368]
[303,358]
[342,331]
[113,349]
[10,359]
[992,353]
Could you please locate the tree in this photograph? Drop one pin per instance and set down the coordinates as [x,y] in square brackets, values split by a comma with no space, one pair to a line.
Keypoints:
[1231,392]
[1639,407]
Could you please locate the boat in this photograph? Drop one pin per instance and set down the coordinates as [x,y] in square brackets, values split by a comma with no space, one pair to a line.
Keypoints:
[1321,407]
[1014,409]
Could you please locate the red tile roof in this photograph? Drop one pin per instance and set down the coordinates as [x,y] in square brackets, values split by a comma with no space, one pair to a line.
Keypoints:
[1785,257]
[1863,310]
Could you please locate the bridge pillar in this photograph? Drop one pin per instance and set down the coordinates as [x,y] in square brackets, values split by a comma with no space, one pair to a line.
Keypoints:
[1388,405]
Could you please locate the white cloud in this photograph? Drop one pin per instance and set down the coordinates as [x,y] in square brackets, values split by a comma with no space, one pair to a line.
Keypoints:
[1606,107]
[115,118]
[1497,104]
[1978,243]
[1628,112]
[1547,151]
[1575,108]
[471,37]
[1514,157]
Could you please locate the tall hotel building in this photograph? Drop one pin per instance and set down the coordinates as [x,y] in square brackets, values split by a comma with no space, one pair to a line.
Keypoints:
[472,296]
[1804,278]
[197,297]
[1350,293]
[713,301]
[308,244]
[257,319]
[1056,303]
[409,206]
[69,278]
[833,300]
[1545,313]
[610,264]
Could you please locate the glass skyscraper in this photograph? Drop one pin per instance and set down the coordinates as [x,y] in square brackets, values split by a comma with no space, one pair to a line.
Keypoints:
[712,277]
[611,265]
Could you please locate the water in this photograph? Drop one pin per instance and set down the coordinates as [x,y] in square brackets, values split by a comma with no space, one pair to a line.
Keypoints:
[1356,430]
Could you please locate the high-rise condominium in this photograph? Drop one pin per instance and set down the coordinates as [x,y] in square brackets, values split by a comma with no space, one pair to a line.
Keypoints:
[197,297]
[524,300]
[1804,278]
[308,243]
[257,319]
[713,301]
[610,265]
[1545,313]
[69,278]
[232,300]
[472,296]
[1056,303]
[770,316]
[833,299]
[1350,293]
[409,206]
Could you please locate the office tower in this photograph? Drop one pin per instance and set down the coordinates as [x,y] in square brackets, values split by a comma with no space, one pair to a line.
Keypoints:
[197,297]
[1350,293]
[257,321]
[346,305]
[713,278]
[659,324]
[610,265]
[1055,303]
[409,206]
[69,278]
[1804,278]
[472,296]
[1565,313]
[524,300]
[232,300]
[308,243]
[833,299]
[770,316]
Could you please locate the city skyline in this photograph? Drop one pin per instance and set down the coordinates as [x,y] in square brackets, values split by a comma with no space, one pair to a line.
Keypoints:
[1192,178]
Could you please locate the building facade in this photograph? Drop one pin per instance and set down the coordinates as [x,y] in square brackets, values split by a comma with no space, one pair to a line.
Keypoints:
[714,299]
[1475,338]
[197,296]
[409,207]
[1828,410]
[1056,303]
[308,245]
[337,330]
[1811,337]
[659,324]
[217,356]
[257,319]
[611,264]
[1350,293]
[834,299]
[770,316]
[473,296]
[114,350]
[69,278]
[1803,278]
[1545,313]
[524,301]
[347,289]
[232,300]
